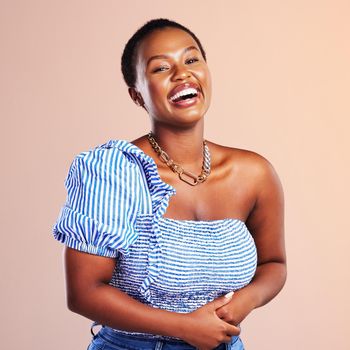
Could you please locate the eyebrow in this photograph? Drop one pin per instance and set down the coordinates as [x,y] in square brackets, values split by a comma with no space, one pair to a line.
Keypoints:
[166,56]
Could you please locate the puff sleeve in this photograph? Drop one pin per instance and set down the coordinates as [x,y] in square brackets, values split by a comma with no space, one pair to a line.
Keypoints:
[101,206]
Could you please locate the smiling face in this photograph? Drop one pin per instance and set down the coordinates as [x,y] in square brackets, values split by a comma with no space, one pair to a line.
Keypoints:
[173,78]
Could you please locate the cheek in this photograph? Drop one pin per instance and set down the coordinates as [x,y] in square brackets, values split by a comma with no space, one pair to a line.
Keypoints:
[153,96]
[203,74]
[205,78]
[208,79]
[157,91]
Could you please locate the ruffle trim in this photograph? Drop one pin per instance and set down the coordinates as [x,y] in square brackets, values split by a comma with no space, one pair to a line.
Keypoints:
[72,228]
[160,193]
[84,247]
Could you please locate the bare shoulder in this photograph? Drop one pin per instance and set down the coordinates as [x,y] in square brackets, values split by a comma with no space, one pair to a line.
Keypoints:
[238,157]
[246,164]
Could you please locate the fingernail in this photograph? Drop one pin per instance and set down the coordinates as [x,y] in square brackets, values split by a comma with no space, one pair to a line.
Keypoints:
[229,295]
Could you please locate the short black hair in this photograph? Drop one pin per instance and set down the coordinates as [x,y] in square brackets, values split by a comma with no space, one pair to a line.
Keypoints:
[129,53]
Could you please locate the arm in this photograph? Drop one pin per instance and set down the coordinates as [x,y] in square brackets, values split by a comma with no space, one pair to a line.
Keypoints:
[266,223]
[89,294]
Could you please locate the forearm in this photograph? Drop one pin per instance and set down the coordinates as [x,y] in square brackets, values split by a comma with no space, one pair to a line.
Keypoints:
[266,284]
[116,309]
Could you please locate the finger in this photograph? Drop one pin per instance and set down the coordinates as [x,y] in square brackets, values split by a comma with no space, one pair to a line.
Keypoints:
[223,300]
[221,312]
[227,339]
[232,330]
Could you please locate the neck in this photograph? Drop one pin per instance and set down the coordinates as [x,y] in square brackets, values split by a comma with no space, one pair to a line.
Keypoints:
[184,146]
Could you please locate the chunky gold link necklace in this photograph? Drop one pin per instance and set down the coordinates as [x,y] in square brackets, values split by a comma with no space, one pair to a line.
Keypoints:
[184,175]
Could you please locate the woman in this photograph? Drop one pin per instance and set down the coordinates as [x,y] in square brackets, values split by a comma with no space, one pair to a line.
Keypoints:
[171,240]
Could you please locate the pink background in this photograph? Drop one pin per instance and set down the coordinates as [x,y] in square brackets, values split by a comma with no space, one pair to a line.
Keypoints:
[281,83]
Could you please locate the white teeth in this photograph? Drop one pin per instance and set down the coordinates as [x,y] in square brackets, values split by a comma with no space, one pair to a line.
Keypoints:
[184,92]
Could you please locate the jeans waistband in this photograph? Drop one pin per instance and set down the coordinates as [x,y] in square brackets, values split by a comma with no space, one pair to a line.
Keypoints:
[147,341]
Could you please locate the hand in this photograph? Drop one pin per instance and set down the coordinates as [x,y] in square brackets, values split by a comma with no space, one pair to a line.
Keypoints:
[204,329]
[236,310]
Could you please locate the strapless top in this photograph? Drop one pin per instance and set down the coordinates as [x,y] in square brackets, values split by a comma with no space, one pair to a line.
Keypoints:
[115,208]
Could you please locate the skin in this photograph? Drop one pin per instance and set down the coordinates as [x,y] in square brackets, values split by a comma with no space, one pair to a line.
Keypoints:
[242,185]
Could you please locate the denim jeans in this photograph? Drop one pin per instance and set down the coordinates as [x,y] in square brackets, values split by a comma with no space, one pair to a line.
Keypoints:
[107,339]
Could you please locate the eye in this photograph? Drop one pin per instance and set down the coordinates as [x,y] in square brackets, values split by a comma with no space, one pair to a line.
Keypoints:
[160,69]
[192,60]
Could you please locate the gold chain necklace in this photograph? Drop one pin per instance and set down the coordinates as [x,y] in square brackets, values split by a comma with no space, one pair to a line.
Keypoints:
[184,175]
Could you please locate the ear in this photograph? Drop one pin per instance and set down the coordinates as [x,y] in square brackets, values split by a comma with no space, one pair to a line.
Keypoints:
[136,96]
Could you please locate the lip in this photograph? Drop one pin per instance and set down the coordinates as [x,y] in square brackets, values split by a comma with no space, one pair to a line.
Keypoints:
[183,86]
[186,103]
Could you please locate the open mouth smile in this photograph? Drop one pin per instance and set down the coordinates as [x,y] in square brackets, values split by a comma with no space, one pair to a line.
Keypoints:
[184,95]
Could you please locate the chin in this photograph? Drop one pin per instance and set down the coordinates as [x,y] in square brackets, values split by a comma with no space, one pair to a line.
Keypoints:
[188,120]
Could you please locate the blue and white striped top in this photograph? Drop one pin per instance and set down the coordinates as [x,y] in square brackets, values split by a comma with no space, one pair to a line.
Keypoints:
[115,206]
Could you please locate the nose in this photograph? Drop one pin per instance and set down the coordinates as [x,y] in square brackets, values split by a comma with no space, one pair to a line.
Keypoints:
[181,72]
